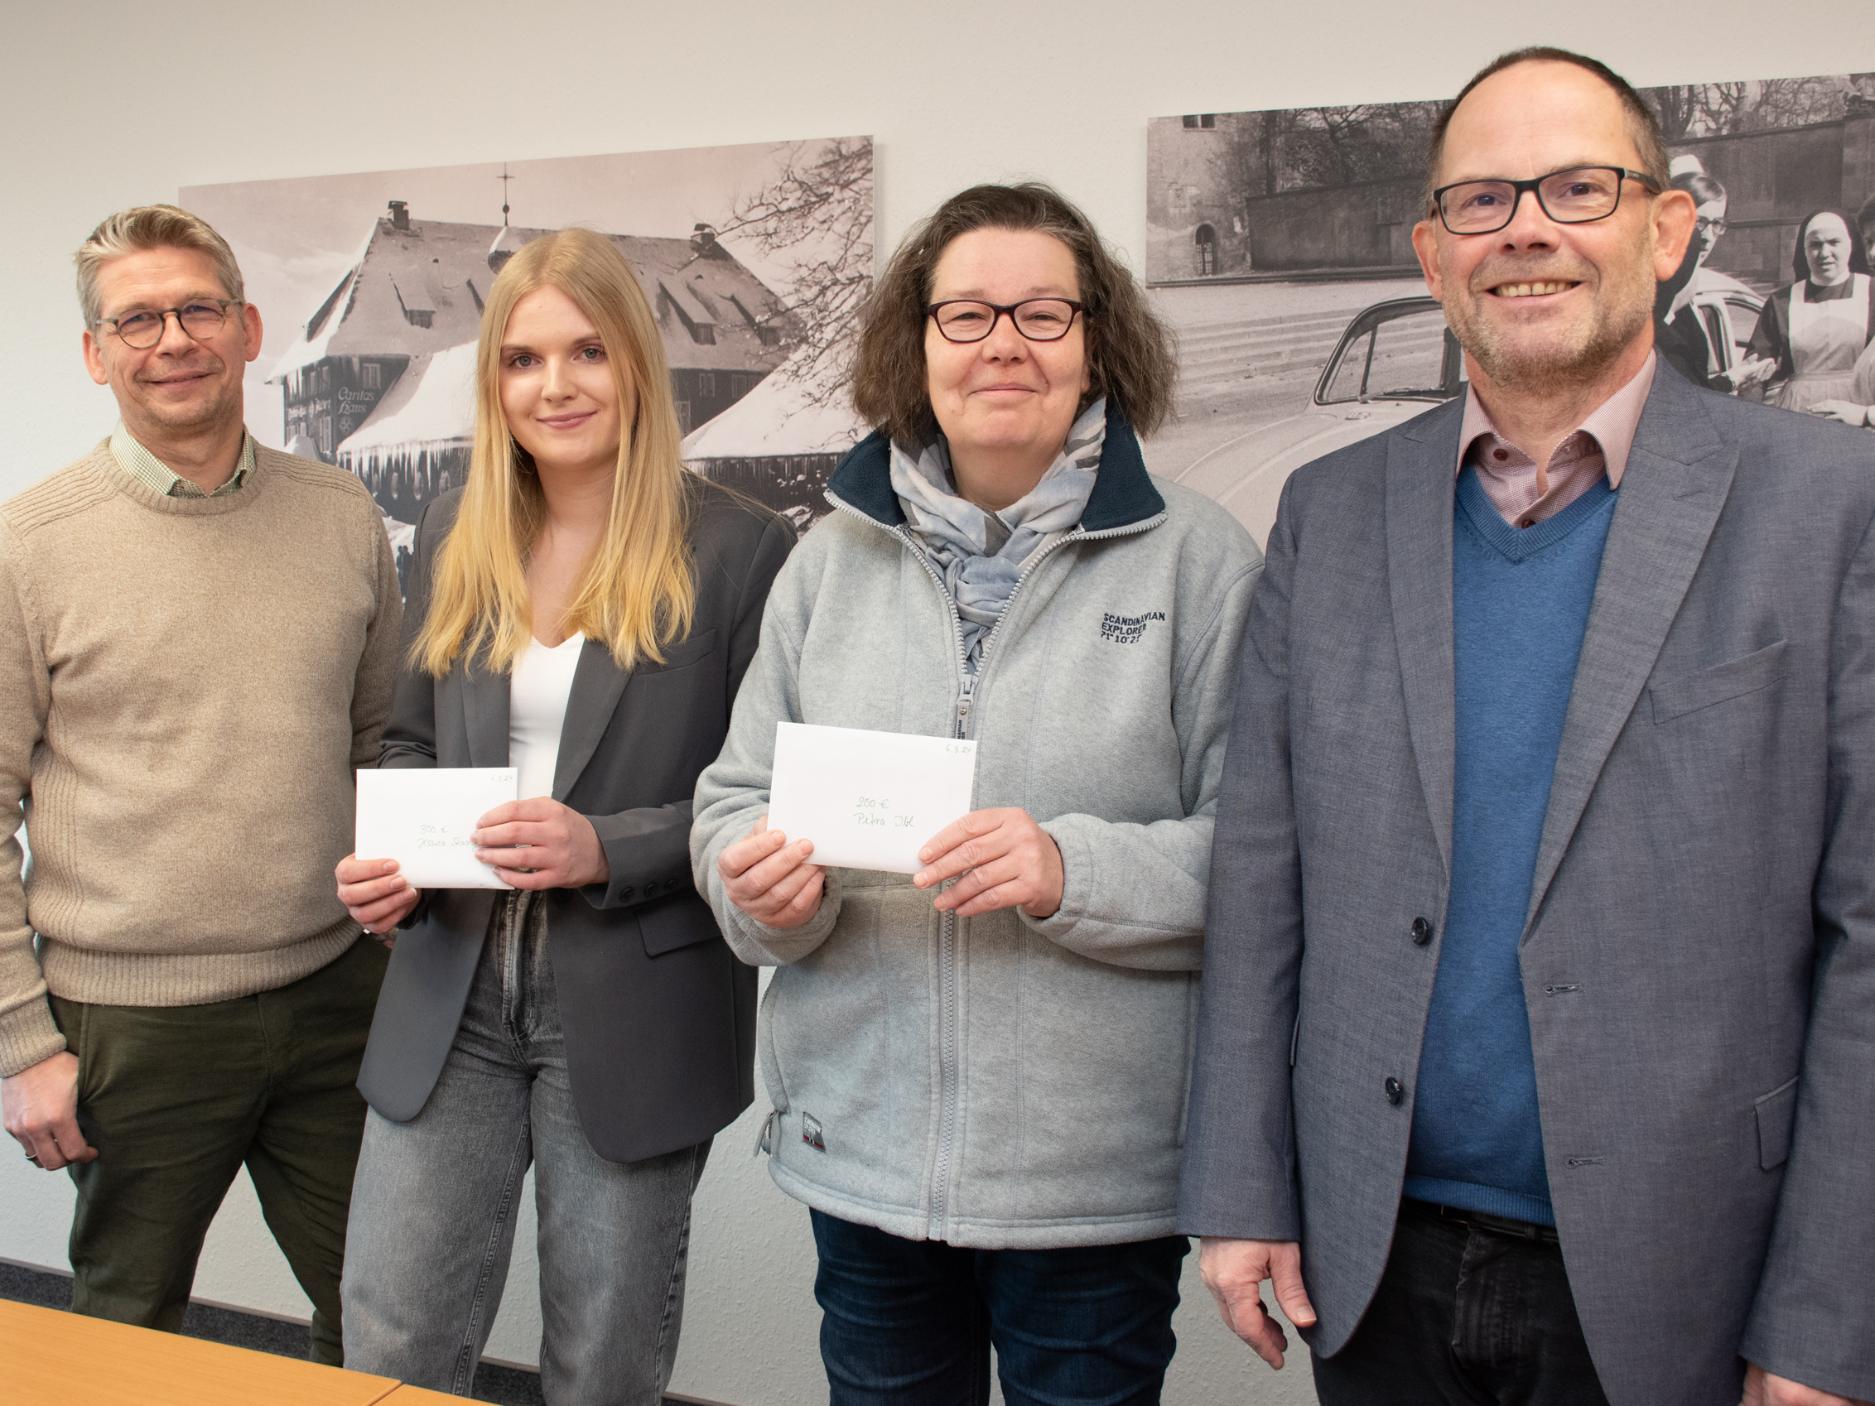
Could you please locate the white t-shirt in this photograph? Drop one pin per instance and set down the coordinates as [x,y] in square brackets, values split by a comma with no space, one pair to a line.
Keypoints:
[537,694]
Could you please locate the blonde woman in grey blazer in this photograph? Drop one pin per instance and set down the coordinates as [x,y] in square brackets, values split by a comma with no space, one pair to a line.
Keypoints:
[584,610]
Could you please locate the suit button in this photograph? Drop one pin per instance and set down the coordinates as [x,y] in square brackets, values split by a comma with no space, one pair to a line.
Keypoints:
[626,892]
[1396,1091]
[1422,932]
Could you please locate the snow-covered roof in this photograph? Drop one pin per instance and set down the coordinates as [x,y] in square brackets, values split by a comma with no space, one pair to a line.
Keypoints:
[420,286]
[432,403]
[784,414]
[315,340]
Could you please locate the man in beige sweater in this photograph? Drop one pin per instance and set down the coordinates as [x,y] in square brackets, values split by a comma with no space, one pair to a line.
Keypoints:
[198,638]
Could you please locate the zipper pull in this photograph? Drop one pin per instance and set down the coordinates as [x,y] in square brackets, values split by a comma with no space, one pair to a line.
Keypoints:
[764,1137]
[963,705]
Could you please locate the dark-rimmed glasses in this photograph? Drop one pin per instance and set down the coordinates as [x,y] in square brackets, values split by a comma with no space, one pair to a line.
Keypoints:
[1576,195]
[143,329]
[1038,319]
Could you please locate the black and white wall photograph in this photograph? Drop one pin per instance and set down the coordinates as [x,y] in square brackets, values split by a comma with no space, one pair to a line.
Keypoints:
[755,259]
[1279,248]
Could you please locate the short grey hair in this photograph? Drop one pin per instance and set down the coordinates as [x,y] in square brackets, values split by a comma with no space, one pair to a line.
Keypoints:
[1643,124]
[150,227]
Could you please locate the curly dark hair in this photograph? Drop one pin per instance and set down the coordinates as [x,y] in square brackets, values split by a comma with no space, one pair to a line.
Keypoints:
[1129,350]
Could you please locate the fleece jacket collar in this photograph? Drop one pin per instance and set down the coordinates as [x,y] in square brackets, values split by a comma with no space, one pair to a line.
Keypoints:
[1123,493]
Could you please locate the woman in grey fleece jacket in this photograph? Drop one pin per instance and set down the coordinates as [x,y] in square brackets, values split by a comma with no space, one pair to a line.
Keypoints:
[978,1072]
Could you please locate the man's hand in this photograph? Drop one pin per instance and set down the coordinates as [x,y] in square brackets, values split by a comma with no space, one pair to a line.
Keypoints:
[1764,1388]
[1234,1271]
[375,894]
[541,844]
[1005,859]
[1753,371]
[40,1107]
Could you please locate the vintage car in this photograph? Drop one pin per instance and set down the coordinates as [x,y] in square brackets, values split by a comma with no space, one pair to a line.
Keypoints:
[1396,360]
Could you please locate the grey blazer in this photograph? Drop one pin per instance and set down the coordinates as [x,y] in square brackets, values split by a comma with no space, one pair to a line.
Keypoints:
[1699,956]
[659,1018]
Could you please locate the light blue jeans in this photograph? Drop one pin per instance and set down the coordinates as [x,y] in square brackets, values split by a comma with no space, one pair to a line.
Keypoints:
[432,1218]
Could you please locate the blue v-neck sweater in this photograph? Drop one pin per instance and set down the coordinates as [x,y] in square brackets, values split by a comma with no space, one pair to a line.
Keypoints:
[1520,606]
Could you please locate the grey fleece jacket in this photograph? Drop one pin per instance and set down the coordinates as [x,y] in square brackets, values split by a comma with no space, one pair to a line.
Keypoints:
[998,1081]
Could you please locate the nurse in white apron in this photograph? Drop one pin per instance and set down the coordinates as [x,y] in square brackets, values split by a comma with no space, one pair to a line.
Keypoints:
[1825,320]
[1826,337]
[1859,407]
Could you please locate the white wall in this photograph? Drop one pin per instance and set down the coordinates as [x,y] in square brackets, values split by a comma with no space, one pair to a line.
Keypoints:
[108,104]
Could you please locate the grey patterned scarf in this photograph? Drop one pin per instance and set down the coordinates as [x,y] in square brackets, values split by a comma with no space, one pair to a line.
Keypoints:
[981,553]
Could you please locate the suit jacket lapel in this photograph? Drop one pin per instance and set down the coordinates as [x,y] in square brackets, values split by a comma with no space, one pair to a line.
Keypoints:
[1676,482]
[1420,465]
[485,715]
[597,686]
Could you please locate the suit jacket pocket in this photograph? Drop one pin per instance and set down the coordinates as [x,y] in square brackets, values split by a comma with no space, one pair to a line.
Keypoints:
[1680,694]
[1775,1111]
[682,920]
[684,652]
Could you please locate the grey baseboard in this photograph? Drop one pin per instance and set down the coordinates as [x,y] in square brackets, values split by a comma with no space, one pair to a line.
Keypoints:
[502,1382]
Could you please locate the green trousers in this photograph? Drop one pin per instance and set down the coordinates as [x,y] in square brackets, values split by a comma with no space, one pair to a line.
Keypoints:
[176,1099]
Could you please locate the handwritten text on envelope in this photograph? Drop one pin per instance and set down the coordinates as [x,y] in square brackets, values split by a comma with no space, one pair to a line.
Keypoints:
[868,800]
[423,816]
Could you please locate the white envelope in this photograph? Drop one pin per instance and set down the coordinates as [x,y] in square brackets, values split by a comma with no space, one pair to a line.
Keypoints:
[868,800]
[423,816]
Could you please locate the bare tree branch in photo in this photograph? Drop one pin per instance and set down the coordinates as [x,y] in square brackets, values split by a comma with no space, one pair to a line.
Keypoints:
[1798,102]
[1723,109]
[1674,106]
[1327,147]
[823,190]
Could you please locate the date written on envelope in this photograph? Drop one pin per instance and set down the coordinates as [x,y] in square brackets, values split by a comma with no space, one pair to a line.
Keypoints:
[868,800]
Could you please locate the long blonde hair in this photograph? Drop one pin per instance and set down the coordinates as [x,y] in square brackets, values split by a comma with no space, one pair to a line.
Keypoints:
[637,593]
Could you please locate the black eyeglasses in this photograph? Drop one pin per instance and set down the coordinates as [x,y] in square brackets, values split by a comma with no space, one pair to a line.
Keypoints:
[1574,196]
[1712,225]
[1038,319]
[143,329]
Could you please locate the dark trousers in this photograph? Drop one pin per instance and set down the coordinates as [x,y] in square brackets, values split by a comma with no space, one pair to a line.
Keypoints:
[177,1098]
[911,1322]
[1464,1316]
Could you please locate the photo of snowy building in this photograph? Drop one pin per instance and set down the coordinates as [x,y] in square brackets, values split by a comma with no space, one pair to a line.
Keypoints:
[372,286]
[417,289]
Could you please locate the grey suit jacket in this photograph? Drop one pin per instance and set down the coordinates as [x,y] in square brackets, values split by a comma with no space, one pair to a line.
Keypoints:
[659,1017]
[1699,957]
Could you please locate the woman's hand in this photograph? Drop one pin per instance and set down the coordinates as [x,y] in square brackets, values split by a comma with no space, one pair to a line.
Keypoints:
[375,894]
[1846,411]
[771,879]
[1005,858]
[540,844]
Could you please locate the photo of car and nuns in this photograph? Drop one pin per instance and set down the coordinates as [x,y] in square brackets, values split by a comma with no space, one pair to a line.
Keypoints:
[1279,248]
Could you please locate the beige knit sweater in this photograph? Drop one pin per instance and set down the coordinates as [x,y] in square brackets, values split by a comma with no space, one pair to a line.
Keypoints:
[185,687]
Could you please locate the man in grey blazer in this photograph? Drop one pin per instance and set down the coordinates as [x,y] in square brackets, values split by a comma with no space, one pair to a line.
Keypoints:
[1536,1059]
